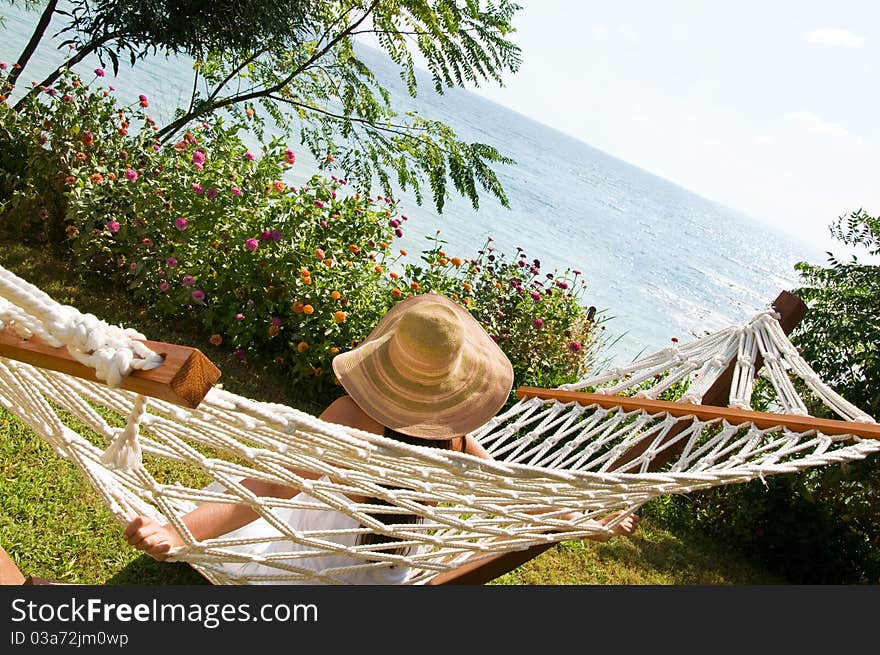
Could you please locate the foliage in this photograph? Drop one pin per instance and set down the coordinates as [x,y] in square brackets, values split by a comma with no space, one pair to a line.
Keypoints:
[205,232]
[305,73]
[823,525]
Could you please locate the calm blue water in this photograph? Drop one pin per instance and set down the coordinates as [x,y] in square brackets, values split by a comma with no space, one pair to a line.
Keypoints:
[662,261]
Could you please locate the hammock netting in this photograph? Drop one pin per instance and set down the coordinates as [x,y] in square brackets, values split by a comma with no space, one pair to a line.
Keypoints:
[557,464]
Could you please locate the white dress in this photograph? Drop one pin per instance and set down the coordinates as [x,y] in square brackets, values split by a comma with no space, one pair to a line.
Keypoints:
[305,519]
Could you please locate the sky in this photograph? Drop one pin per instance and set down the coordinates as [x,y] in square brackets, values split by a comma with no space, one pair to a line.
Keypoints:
[769,108]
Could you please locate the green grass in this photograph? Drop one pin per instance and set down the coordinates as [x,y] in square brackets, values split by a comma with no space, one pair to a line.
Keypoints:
[54,525]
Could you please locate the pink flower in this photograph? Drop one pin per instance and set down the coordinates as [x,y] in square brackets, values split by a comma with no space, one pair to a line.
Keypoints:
[251,244]
[67,97]
[99,72]
[181,223]
[240,355]
[171,262]
[198,188]
[198,157]
[2,66]
[574,346]
[249,156]
[133,266]
[188,280]
[535,296]
[289,156]
[211,193]
[215,340]
[113,226]
[239,317]
[538,323]
[142,98]
[323,223]
[235,191]
[276,321]
[131,175]
[398,232]
[561,284]
[198,295]
[319,204]
[164,286]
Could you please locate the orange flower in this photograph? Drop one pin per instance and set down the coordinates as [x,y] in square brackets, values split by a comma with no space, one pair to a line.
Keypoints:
[70,179]
[307,280]
[330,158]
[302,346]
[280,187]
[466,286]
[304,272]
[443,261]
[328,262]
[273,330]
[354,248]
[97,178]
[456,261]
[414,286]
[393,275]
[467,301]
[497,285]
[403,252]
[441,253]
[397,293]
[319,253]
[335,295]
[249,111]
[334,350]
[308,309]
[297,308]
[383,245]
[215,340]
[378,269]
[340,316]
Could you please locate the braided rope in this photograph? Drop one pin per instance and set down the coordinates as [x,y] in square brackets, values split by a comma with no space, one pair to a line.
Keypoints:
[553,474]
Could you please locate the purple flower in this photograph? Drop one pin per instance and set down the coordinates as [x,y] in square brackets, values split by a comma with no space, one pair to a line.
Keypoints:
[198,188]
[538,323]
[235,191]
[181,223]
[198,295]
[249,156]
[142,98]
[239,317]
[398,232]
[574,346]
[198,157]
[535,296]
[319,204]
[164,286]
[561,284]
[576,272]
[211,193]
[188,280]
[171,262]
[266,235]
[99,72]
[113,226]
[276,235]
[394,223]
[251,244]
[276,321]
[131,175]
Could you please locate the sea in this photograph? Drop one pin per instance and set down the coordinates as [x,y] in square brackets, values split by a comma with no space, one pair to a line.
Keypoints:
[660,261]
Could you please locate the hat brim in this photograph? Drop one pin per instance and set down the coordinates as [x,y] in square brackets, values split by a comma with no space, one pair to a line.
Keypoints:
[472,392]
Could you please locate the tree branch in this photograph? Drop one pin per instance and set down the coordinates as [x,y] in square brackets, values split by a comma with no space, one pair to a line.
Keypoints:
[32,44]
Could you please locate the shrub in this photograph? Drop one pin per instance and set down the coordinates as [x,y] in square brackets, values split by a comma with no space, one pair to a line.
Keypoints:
[206,232]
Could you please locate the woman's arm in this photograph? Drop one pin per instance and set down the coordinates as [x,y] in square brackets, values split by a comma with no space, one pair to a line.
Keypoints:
[214,519]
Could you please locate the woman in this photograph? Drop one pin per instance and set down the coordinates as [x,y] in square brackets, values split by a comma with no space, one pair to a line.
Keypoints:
[428,374]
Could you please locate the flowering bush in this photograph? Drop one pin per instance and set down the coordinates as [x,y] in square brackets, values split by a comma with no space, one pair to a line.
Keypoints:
[206,230]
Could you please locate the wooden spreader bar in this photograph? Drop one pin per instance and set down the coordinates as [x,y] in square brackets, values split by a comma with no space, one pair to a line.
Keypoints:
[732,415]
[184,378]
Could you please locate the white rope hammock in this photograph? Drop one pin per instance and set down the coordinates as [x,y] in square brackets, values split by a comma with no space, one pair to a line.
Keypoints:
[552,457]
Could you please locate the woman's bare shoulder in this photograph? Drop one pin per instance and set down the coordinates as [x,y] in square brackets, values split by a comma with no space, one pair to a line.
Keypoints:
[345,411]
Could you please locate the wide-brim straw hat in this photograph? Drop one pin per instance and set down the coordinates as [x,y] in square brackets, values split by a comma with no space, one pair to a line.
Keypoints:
[428,369]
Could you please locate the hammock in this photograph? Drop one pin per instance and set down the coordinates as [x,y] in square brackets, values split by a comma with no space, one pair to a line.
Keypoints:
[606,443]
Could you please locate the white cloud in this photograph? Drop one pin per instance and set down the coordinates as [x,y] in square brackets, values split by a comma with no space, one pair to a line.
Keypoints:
[835,36]
[837,135]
